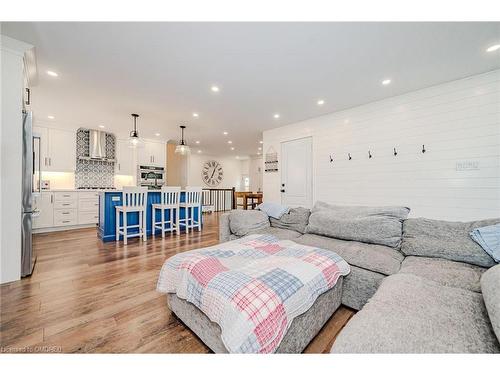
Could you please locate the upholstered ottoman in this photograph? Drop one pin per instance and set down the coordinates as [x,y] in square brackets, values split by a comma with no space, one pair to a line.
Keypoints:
[302,330]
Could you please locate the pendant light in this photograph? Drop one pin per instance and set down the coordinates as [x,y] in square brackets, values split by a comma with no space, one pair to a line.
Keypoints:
[134,140]
[182,148]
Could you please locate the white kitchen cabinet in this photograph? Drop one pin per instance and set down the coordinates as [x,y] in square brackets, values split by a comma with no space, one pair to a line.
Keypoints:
[88,207]
[158,152]
[124,159]
[44,204]
[57,149]
[62,151]
[152,154]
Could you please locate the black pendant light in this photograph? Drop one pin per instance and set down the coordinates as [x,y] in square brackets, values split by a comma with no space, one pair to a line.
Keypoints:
[134,134]
[182,148]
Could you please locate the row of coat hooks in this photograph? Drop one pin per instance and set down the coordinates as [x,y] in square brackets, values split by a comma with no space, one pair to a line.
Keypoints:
[395,152]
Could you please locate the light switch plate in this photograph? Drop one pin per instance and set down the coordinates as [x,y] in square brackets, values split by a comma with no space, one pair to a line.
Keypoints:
[467,165]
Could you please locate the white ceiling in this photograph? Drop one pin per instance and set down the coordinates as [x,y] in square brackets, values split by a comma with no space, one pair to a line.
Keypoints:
[164,72]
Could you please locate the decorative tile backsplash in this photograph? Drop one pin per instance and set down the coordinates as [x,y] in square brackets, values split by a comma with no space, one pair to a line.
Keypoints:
[93,173]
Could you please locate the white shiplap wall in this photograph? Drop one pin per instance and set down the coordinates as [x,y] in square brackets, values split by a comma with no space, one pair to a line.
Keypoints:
[458,122]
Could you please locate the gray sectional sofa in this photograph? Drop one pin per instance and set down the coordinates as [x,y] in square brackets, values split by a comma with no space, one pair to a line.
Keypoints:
[420,285]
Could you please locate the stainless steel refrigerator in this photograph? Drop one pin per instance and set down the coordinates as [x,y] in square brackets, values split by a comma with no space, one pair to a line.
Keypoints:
[31,185]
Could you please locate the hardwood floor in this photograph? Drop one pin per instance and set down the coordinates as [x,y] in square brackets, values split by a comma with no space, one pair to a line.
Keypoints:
[89,296]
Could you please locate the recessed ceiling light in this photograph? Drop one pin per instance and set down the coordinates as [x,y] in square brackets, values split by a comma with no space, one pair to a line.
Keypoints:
[258,153]
[320,102]
[52,73]
[493,48]
[196,115]
[232,148]
[199,151]
[276,115]
[197,142]
[50,117]
[261,142]
[385,82]
[237,157]
[260,148]
[225,133]
[229,142]
[215,88]
[157,134]
[101,126]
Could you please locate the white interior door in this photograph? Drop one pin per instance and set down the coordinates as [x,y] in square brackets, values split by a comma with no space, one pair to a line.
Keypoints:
[296,172]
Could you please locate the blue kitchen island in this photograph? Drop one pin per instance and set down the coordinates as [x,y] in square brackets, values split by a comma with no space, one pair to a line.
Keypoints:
[109,199]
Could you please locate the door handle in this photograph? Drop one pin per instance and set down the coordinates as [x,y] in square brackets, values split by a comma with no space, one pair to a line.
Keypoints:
[28,96]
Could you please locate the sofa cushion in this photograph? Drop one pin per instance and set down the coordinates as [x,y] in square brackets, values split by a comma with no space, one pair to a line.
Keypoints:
[377,225]
[243,222]
[359,286]
[296,219]
[490,286]
[282,234]
[377,258]
[445,272]
[409,314]
[445,239]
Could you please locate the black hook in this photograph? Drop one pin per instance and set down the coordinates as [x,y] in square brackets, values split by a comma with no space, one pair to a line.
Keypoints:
[423,149]
[349,155]
[369,154]
[331,159]
[395,152]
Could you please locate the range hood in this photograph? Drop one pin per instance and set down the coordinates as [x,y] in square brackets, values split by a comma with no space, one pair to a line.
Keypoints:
[97,147]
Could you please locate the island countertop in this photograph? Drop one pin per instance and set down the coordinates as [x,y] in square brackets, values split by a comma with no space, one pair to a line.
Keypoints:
[109,199]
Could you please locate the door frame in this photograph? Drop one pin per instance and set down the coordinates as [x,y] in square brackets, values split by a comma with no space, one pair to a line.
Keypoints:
[311,166]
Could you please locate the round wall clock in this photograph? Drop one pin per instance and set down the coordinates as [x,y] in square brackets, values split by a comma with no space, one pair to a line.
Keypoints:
[212,173]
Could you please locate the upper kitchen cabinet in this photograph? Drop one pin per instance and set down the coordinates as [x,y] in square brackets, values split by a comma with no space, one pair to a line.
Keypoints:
[57,149]
[124,159]
[152,154]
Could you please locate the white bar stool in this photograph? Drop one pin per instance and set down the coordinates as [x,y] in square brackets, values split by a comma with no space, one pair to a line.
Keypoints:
[134,200]
[170,197]
[191,201]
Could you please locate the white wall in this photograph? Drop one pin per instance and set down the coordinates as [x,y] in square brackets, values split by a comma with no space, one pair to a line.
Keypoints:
[11,132]
[255,170]
[458,122]
[233,169]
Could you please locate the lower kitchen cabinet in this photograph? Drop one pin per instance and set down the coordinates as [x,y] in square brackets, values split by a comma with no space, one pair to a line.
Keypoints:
[65,208]
[44,204]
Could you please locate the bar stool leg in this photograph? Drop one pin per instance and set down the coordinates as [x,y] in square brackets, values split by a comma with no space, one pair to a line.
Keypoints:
[143,225]
[125,234]
[187,220]
[141,233]
[153,221]
[177,226]
[199,219]
[162,223]
[171,213]
[117,225]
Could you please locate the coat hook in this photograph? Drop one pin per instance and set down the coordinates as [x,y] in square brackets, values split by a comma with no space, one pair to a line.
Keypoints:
[349,156]
[331,159]
[395,152]
[423,149]
[369,154]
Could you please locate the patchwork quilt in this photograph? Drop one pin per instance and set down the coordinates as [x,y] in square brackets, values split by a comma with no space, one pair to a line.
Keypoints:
[252,287]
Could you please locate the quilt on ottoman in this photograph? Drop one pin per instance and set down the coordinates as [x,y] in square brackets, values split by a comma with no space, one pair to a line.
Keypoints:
[252,287]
